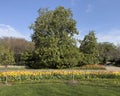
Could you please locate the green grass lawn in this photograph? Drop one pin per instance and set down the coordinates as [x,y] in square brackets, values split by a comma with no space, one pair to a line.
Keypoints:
[82,88]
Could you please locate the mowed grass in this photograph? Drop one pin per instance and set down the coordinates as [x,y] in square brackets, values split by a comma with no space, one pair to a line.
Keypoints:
[82,88]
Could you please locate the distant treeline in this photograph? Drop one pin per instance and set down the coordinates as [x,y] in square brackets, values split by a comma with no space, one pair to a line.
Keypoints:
[16,46]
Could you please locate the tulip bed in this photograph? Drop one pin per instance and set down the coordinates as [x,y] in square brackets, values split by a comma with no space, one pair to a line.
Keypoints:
[14,76]
[93,67]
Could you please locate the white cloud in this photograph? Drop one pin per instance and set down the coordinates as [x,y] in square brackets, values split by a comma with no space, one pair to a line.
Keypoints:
[112,36]
[89,8]
[8,31]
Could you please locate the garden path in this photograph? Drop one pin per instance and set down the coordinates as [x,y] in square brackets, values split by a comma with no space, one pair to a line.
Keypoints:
[112,68]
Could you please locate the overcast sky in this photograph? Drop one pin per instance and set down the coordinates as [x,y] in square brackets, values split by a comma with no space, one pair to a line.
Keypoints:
[103,16]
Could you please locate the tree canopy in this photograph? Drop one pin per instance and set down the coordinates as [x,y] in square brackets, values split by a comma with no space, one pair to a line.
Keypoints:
[53,38]
[89,47]
[17,46]
[6,57]
[107,52]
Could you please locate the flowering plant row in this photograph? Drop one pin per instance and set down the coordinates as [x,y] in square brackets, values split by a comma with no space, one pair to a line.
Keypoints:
[56,74]
[93,67]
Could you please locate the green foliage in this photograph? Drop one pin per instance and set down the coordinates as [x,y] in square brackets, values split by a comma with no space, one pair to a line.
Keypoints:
[89,48]
[44,57]
[117,60]
[53,38]
[107,52]
[6,57]
[90,59]
[17,46]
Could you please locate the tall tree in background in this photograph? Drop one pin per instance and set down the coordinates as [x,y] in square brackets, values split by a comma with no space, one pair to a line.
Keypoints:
[89,48]
[107,52]
[53,38]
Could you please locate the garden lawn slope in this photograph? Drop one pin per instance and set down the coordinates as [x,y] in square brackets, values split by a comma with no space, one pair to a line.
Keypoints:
[58,89]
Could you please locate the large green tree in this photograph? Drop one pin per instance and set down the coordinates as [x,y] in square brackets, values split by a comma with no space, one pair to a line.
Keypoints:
[53,38]
[89,47]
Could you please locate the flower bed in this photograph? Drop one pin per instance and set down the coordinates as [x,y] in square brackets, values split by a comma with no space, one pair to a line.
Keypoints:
[93,67]
[56,74]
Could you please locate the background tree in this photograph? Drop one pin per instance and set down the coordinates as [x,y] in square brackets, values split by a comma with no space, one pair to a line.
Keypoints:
[107,52]
[89,48]
[17,46]
[53,38]
[6,57]
[117,62]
